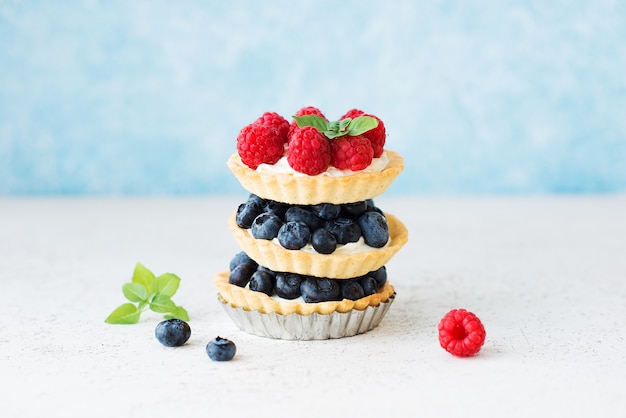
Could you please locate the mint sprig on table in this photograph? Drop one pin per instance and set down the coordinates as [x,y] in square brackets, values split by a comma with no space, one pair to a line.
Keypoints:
[146,291]
[335,129]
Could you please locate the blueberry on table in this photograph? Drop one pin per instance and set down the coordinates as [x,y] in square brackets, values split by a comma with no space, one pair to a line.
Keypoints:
[172,332]
[221,349]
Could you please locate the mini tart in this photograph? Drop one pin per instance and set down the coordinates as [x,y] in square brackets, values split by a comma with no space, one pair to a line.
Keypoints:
[311,190]
[249,300]
[335,266]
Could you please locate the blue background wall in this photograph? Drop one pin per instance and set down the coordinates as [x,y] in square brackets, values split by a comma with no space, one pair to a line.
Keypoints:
[147,97]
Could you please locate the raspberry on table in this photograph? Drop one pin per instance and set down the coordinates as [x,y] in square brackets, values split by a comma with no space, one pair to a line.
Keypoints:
[351,152]
[309,151]
[258,144]
[461,333]
[275,120]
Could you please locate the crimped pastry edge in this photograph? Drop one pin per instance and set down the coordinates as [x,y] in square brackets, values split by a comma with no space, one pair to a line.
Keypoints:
[249,300]
[335,266]
[311,190]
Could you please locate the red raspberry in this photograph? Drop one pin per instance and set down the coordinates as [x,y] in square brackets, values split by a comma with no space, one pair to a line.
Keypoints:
[351,152]
[307,110]
[461,333]
[377,136]
[275,120]
[352,113]
[309,151]
[258,144]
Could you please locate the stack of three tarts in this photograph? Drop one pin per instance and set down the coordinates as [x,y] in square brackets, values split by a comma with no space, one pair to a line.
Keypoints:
[314,245]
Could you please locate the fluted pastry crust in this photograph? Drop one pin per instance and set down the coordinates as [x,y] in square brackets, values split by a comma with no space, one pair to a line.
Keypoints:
[240,297]
[336,266]
[311,190]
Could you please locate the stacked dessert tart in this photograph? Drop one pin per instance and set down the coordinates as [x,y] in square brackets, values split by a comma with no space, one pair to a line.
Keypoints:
[314,244]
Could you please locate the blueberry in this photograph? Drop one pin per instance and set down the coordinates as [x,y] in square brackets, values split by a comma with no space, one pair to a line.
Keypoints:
[246,212]
[297,213]
[316,289]
[371,207]
[354,210]
[369,285]
[266,226]
[326,211]
[374,229]
[268,270]
[277,208]
[262,281]
[239,258]
[172,332]
[294,235]
[380,276]
[221,349]
[345,230]
[240,275]
[288,285]
[323,241]
[351,289]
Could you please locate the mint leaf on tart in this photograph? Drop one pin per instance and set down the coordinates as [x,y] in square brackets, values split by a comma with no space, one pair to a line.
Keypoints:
[362,124]
[335,129]
[146,291]
[315,121]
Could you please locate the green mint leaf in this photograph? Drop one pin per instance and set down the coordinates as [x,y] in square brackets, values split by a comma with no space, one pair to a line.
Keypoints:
[148,291]
[166,284]
[124,314]
[315,121]
[344,124]
[362,124]
[162,304]
[143,276]
[179,313]
[135,292]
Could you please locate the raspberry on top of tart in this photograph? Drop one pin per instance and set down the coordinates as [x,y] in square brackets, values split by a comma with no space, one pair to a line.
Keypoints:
[313,160]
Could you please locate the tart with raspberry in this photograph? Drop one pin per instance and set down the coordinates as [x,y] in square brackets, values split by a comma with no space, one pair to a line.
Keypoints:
[314,243]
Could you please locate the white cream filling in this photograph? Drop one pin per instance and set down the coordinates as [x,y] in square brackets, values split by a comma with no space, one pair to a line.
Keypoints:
[349,248]
[283,167]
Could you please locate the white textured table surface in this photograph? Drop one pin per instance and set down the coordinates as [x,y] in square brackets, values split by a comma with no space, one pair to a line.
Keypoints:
[546,275]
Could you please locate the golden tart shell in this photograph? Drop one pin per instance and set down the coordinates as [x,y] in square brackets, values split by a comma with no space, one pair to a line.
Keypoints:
[337,266]
[311,190]
[249,300]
